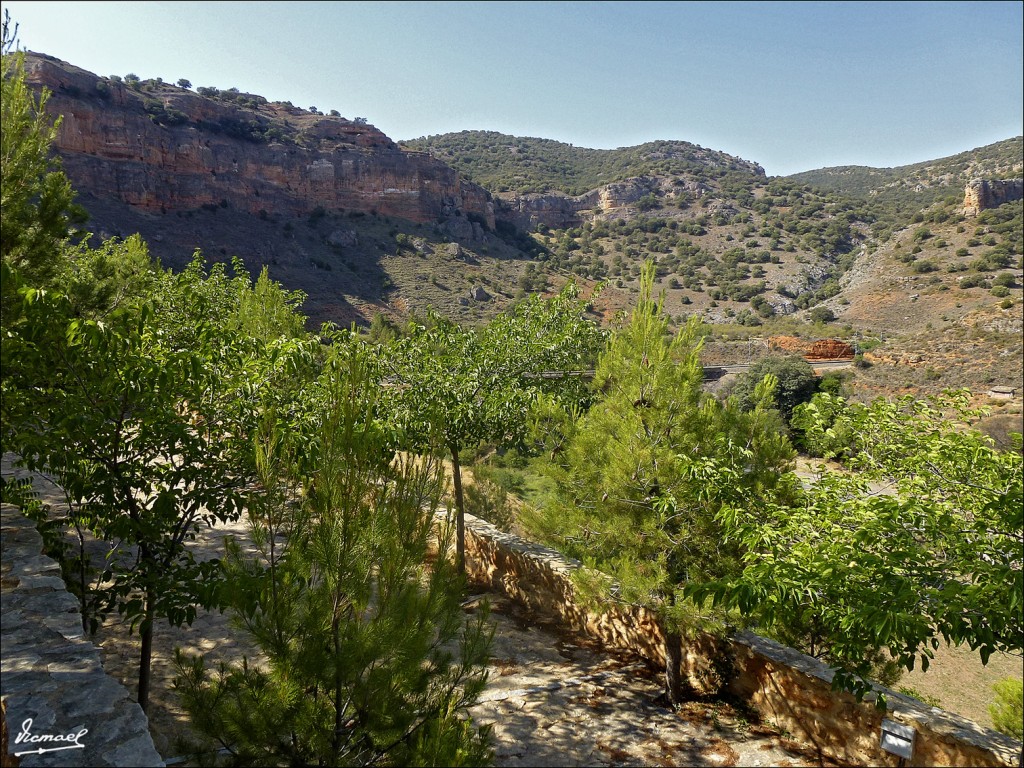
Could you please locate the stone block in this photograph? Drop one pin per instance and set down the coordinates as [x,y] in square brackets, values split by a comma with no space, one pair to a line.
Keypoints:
[52,677]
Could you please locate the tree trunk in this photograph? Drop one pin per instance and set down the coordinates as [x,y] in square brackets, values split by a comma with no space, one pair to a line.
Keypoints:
[675,688]
[460,514]
[336,740]
[146,655]
[83,581]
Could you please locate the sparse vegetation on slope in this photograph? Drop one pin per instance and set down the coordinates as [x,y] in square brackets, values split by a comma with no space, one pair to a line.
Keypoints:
[893,194]
[503,163]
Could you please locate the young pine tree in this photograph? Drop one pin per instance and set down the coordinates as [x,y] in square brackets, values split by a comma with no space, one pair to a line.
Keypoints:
[651,464]
[368,658]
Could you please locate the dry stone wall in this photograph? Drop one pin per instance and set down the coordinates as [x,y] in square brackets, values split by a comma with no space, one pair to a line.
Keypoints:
[52,681]
[786,687]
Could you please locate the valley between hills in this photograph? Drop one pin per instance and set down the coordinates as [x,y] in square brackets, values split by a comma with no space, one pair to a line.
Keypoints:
[916,269]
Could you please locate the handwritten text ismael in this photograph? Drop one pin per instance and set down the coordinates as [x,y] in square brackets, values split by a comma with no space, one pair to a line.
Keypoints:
[60,741]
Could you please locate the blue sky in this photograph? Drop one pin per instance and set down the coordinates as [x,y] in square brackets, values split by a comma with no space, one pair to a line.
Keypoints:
[792,86]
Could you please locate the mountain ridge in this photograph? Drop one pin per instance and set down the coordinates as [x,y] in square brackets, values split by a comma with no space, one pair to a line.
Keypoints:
[908,188]
[751,253]
[566,168]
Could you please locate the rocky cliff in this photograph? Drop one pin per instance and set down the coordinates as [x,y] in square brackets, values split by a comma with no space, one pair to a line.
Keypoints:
[981,194]
[160,147]
[621,199]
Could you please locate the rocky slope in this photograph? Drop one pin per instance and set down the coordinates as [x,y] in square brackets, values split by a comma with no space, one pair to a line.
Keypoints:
[160,147]
[540,182]
[624,199]
[336,209]
[982,194]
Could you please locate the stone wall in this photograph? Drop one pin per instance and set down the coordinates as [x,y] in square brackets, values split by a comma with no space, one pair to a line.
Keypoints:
[52,681]
[786,687]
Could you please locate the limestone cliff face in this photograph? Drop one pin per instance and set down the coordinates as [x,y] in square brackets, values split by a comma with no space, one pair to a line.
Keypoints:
[981,194]
[611,201]
[161,147]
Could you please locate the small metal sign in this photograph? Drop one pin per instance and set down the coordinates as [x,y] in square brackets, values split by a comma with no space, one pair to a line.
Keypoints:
[898,739]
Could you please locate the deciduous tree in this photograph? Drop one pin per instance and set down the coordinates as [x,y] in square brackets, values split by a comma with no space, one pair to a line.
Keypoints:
[796,382]
[369,659]
[454,387]
[144,418]
[922,543]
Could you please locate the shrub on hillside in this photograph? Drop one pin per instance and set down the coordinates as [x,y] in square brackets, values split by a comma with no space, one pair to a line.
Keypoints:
[822,315]
[796,383]
[1004,278]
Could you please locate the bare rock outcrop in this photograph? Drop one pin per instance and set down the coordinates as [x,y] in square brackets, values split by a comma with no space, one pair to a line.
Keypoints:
[829,349]
[822,349]
[164,148]
[981,194]
[560,211]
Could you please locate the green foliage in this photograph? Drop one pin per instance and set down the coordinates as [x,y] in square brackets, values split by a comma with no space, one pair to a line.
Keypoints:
[369,657]
[36,197]
[260,314]
[936,558]
[1008,708]
[924,698]
[102,279]
[820,429]
[974,281]
[795,378]
[458,386]
[382,329]
[143,418]
[646,469]
[648,202]
[1006,279]
[489,501]
[162,114]
[466,385]
[103,416]
[822,315]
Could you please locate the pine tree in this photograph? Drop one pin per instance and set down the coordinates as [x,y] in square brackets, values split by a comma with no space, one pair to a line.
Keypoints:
[650,465]
[368,656]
